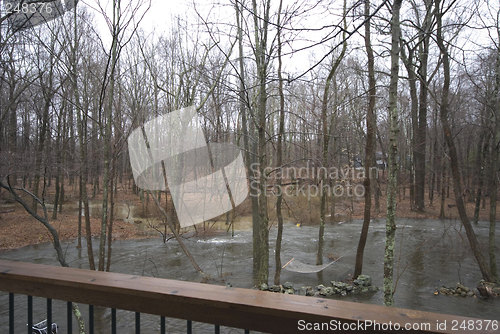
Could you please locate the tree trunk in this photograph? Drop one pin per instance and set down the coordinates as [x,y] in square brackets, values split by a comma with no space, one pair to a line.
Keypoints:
[82,136]
[457,187]
[408,61]
[326,139]
[250,151]
[370,143]
[393,163]
[421,135]
[482,148]
[494,167]
[279,157]
[107,134]
[261,60]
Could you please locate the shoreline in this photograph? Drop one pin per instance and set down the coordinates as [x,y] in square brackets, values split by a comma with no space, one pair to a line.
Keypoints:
[19,229]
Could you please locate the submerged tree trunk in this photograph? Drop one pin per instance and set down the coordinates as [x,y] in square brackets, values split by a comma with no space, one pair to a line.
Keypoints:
[326,140]
[107,136]
[261,60]
[393,163]
[370,143]
[457,187]
[494,166]
[279,156]
[111,213]
[250,152]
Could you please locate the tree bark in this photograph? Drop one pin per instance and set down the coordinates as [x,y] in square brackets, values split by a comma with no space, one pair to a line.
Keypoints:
[393,154]
[250,152]
[370,143]
[326,140]
[457,187]
[494,167]
[261,60]
[279,156]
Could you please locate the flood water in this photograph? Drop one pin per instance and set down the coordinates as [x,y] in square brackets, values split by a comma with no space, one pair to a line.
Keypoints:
[429,254]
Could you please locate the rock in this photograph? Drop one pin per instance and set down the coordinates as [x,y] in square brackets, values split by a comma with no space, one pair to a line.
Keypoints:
[470,293]
[343,293]
[486,289]
[363,280]
[496,290]
[319,287]
[339,285]
[329,291]
[463,294]
[288,285]
[264,287]
[309,291]
[349,288]
[274,288]
[290,291]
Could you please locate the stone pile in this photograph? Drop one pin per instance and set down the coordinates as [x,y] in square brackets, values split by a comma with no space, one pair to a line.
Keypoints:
[459,290]
[363,284]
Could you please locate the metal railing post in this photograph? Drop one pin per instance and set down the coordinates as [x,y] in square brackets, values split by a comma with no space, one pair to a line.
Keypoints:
[49,315]
[113,321]
[69,310]
[30,314]
[91,319]
[11,313]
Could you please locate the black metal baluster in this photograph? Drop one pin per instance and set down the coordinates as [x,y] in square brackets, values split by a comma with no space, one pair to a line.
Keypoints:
[91,319]
[137,323]
[69,311]
[11,313]
[162,325]
[30,314]
[247,331]
[113,321]
[217,329]
[49,315]
[190,327]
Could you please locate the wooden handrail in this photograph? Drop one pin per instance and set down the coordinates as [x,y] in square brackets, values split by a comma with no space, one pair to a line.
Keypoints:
[233,307]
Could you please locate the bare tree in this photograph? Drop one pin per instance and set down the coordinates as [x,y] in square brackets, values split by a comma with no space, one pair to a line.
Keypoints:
[393,153]
[457,187]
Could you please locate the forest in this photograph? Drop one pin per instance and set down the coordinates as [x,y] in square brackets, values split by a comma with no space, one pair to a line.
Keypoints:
[341,110]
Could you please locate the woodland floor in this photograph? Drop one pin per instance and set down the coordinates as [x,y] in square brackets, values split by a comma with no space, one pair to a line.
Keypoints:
[18,228]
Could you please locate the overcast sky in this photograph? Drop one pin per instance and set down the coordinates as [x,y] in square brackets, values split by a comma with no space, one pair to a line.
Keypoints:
[159,19]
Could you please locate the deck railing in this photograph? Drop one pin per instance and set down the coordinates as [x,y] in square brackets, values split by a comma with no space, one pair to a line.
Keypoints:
[195,302]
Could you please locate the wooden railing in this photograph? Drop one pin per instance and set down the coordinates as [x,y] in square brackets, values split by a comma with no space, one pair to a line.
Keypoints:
[232,307]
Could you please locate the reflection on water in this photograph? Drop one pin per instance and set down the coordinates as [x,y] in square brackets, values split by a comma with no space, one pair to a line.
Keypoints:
[428,253]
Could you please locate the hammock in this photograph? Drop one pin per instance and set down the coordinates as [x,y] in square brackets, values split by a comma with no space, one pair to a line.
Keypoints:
[299,267]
